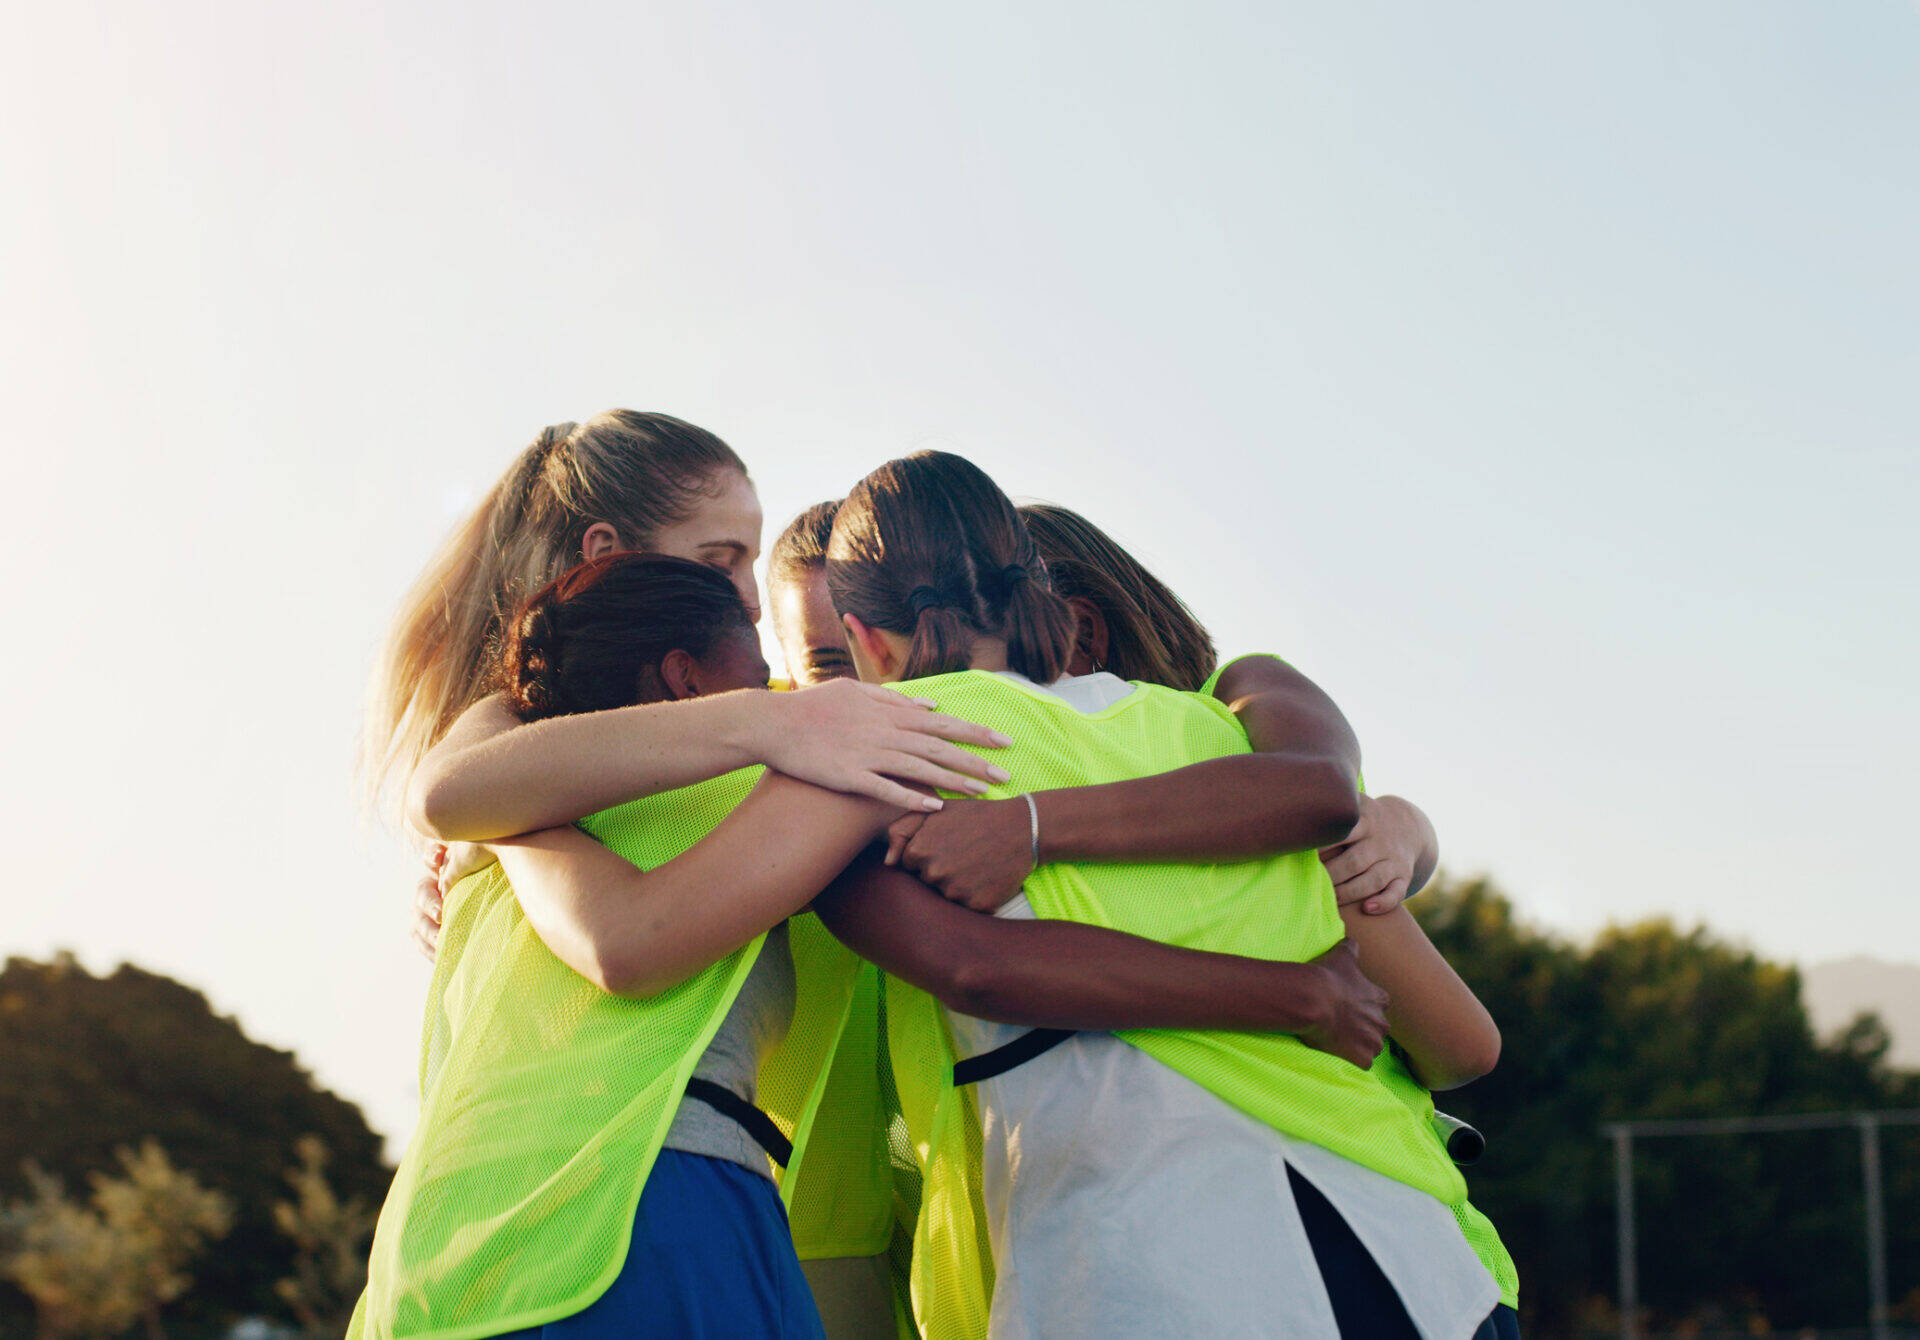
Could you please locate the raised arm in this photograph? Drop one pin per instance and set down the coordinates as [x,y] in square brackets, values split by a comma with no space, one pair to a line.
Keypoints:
[637,932]
[1446,1032]
[1063,974]
[492,777]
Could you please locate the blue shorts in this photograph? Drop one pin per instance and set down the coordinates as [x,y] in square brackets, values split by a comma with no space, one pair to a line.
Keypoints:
[712,1259]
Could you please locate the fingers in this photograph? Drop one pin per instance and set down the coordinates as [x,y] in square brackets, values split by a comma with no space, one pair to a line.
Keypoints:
[426,938]
[1347,860]
[889,792]
[425,928]
[899,833]
[1388,898]
[953,728]
[909,767]
[427,899]
[954,760]
[1374,879]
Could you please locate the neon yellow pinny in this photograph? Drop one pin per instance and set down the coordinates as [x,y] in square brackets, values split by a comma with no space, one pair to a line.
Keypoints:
[545,1101]
[1280,908]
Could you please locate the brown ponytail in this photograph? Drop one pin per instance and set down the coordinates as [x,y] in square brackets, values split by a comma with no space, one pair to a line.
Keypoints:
[929,547]
[1151,634]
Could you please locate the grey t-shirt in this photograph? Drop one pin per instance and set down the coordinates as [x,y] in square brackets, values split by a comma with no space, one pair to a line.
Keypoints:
[754,1026]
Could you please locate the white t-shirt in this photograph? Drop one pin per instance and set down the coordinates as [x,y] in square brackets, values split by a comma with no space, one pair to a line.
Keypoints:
[1123,1199]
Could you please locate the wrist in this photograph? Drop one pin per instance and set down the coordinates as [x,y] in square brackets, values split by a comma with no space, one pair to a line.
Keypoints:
[1053,813]
[749,725]
[1304,1002]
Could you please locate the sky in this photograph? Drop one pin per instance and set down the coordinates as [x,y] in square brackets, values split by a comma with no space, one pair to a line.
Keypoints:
[1542,380]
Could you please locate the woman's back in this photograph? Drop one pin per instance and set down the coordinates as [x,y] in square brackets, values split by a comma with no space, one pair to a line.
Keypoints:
[1121,1196]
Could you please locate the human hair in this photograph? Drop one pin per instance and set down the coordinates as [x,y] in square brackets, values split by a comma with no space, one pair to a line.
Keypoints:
[929,547]
[802,546]
[594,637]
[1151,634]
[637,472]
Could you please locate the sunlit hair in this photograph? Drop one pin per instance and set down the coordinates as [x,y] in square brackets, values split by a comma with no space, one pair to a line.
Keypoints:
[639,473]
[593,638]
[801,549]
[1151,634]
[930,548]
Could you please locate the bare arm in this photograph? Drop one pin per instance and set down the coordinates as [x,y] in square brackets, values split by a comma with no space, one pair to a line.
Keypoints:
[1446,1032]
[492,776]
[1063,974]
[1296,791]
[637,932]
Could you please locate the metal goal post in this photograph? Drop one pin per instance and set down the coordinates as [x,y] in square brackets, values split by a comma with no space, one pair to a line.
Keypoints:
[1623,1134]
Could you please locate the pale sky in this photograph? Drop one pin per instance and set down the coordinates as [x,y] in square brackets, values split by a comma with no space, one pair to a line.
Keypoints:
[1541,379]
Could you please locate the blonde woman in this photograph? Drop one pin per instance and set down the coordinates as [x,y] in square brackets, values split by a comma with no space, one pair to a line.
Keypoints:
[621,480]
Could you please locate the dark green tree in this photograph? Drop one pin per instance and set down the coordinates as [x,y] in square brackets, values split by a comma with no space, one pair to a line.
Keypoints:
[89,1064]
[1654,1021]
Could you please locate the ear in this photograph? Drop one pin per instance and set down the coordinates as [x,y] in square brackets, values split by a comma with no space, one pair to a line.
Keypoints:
[873,653]
[600,538]
[1089,636]
[679,675]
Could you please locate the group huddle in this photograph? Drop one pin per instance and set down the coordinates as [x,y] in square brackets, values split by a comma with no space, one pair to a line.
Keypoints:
[1023,972]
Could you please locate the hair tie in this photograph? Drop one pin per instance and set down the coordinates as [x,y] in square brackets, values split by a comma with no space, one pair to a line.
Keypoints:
[1013,577]
[926,598]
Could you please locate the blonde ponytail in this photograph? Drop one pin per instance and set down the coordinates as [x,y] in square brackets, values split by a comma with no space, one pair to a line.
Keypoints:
[637,472]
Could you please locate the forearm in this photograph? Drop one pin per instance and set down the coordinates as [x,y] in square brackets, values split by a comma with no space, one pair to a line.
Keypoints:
[638,932]
[1223,809]
[1296,791]
[1060,974]
[1447,1034]
[553,772]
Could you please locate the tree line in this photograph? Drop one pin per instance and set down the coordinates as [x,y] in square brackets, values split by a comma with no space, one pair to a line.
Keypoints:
[1744,1233]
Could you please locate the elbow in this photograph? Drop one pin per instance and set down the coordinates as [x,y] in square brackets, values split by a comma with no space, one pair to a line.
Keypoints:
[430,808]
[626,975]
[974,983]
[633,966]
[1472,1060]
[1323,805]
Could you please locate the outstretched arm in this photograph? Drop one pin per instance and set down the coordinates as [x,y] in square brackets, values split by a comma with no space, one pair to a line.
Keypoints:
[1064,974]
[492,776]
[637,932]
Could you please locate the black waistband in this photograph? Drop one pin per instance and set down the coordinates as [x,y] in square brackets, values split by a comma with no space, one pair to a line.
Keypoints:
[750,1118]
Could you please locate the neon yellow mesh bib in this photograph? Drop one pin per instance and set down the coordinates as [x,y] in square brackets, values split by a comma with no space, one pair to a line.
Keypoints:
[1280,908]
[1475,1226]
[545,1102]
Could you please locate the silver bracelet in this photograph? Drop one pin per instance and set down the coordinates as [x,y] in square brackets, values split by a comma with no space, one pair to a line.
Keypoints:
[1033,818]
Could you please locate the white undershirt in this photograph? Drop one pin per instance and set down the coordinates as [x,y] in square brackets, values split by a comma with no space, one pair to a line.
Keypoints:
[1123,1199]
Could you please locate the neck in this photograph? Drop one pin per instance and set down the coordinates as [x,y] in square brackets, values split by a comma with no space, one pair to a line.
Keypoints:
[988,653]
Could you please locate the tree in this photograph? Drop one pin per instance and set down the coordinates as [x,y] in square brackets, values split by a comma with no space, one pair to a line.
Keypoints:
[88,1064]
[331,1237]
[1654,1021]
[97,1270]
